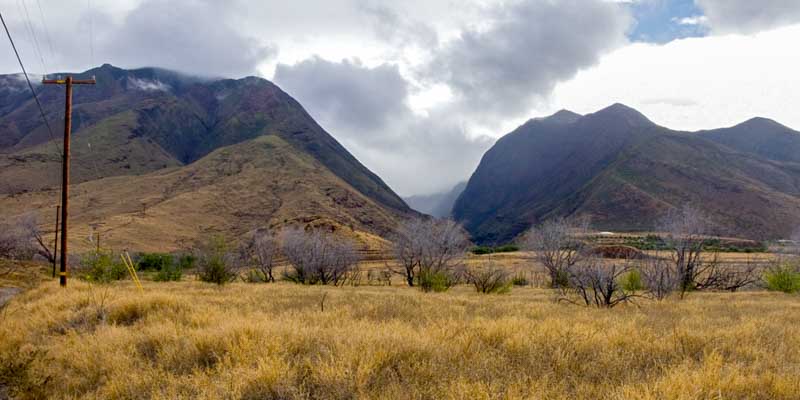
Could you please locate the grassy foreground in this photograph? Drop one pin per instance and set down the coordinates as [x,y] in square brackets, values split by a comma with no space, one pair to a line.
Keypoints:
[248,341]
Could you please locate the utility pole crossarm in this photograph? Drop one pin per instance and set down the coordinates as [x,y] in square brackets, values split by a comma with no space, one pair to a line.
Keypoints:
[64,81]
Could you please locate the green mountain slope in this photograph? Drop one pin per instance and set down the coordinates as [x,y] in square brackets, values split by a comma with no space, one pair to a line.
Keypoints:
[186,117]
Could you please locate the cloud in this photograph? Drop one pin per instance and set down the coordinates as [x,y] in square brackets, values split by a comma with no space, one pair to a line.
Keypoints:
[346,94]
[692,21]
[189,36]
[397,29]
[697,83]
[149,85]
[524,50]
[367,109]
[750,16]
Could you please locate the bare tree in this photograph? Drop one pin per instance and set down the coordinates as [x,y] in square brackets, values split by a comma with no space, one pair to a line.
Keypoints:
[660,277]
[263,250]
[557,245]
[15,242]
[597,284]
[30,225]
[685,232]
[488,279]
[318,257]
[728,277]
[427,245]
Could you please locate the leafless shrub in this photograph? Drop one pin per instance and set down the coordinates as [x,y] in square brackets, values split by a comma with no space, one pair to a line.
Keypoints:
[558,247]
[263,251]
[430,247]
[489,279]
[728,277]
[597,284]
[685,233]
[659,276]
[318,257]
[15,241]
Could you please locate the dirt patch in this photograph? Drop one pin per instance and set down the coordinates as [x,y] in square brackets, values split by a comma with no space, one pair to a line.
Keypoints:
[6,293]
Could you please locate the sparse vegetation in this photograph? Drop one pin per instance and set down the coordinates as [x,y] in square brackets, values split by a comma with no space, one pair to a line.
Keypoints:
[556,246]
[189,340]
[430,253]
[262,251]
[318,257]
[489,279]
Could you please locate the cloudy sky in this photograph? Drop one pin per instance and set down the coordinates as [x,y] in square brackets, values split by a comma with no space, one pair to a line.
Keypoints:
[419,89]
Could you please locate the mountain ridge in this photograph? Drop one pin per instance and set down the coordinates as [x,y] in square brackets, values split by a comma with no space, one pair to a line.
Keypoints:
[625,171]
[138,127]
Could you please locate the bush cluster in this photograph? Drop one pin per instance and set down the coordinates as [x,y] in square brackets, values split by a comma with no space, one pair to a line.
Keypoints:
[154,261]
[480,250]
[103,267]
[783,279]
[436,281]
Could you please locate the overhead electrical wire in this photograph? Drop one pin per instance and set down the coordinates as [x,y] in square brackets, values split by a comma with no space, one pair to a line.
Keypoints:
[32,31]
[30,86]
[46,31]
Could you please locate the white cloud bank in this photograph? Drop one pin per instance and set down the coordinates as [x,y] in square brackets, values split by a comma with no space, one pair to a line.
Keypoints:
[695,83]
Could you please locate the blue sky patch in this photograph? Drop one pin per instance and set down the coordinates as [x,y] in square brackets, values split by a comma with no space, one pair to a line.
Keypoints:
[662,21]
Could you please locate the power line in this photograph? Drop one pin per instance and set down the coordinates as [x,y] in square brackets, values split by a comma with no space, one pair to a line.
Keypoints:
[46,31]
[30,86]
[32,31]
[91,32]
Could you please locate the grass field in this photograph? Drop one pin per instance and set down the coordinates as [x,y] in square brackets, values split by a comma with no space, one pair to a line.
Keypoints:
[283,341]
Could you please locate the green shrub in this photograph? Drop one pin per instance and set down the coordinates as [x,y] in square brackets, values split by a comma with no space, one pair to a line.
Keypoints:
[215,260]
[187,261]
[480,250]
[154,261]
[169,273]
[632,281]
[783,279]
[508,248]
[103,267]
[435,281]
[215,271]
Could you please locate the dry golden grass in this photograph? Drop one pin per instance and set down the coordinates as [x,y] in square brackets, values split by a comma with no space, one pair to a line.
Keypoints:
[262,341]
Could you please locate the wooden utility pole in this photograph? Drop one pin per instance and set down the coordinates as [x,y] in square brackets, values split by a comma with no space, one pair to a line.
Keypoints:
[65,167]
[55,244]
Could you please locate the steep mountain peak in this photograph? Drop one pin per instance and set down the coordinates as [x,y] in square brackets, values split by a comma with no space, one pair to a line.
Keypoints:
[761,123]
[623,113]
[564,116]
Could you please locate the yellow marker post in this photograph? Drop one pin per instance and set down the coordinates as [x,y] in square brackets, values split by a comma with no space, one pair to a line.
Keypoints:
[126,259]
